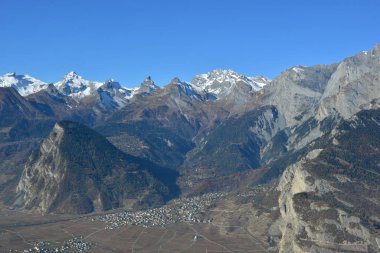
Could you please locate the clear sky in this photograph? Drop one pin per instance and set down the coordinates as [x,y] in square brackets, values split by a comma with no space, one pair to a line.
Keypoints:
[130,39]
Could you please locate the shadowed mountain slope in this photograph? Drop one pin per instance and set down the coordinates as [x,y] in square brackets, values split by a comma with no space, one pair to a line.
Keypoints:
[76,170]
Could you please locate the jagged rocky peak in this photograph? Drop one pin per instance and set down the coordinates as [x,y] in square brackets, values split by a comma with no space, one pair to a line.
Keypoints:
[106,96]
[112,95]
[10,74]
[175,80]
[149,82]
[146,87]
[220,83]
[296,92]
[354,86]
[184,89]
[112,84]
[76,86]
[329,194]
[72,75]
[298,69]
[376,49]
[73,79]
[314,77]
[77,170]
[50,173]
[24,84]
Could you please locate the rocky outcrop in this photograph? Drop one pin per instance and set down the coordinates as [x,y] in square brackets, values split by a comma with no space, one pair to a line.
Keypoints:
[354,86]
[40,178]
[315,226]
[77,170]
[327,198]
[238,144]
[297,91]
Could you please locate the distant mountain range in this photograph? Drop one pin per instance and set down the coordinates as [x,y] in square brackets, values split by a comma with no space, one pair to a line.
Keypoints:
[215,84]
[312,132]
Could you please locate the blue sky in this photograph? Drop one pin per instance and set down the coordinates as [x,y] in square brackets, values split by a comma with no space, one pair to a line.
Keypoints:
[128,40]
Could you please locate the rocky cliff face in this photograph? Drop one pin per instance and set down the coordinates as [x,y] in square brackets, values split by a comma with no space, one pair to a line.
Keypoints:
[354,86]
[329,198]
[77,170]
[215,130]
[237,144]
[48,173]
[297,91]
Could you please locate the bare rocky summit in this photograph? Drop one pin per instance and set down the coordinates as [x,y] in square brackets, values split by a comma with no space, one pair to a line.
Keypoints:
[76,170]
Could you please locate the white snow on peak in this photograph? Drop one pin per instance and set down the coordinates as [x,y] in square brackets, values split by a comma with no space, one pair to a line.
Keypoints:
[260,81]
[24,84]
[114,98]
[112,84]
[213,85]
[110,93]
[115,90]
[190,90]
[146,87]
[75,86]
[298,69]
[186,88]
[222,82]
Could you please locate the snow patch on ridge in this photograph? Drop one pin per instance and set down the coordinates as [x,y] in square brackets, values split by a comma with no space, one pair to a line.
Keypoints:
[75,86]
[298,69]
[24,84]
[222,82]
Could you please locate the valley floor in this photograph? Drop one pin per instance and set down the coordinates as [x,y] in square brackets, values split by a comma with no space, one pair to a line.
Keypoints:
[226,231]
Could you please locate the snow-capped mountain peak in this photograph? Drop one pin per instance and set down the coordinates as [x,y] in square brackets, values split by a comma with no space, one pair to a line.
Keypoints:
[148,82]
[72,75]
[146,87]
[112,84]
[186,88]
[298,69]
[24,84]
[112,95]
[76,86]
[115,89]
[260,81]
[222,82]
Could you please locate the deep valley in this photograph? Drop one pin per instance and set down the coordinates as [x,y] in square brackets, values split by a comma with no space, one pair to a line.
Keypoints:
[223,163]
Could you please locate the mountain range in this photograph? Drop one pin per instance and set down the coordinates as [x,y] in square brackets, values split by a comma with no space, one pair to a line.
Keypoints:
[77,146]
